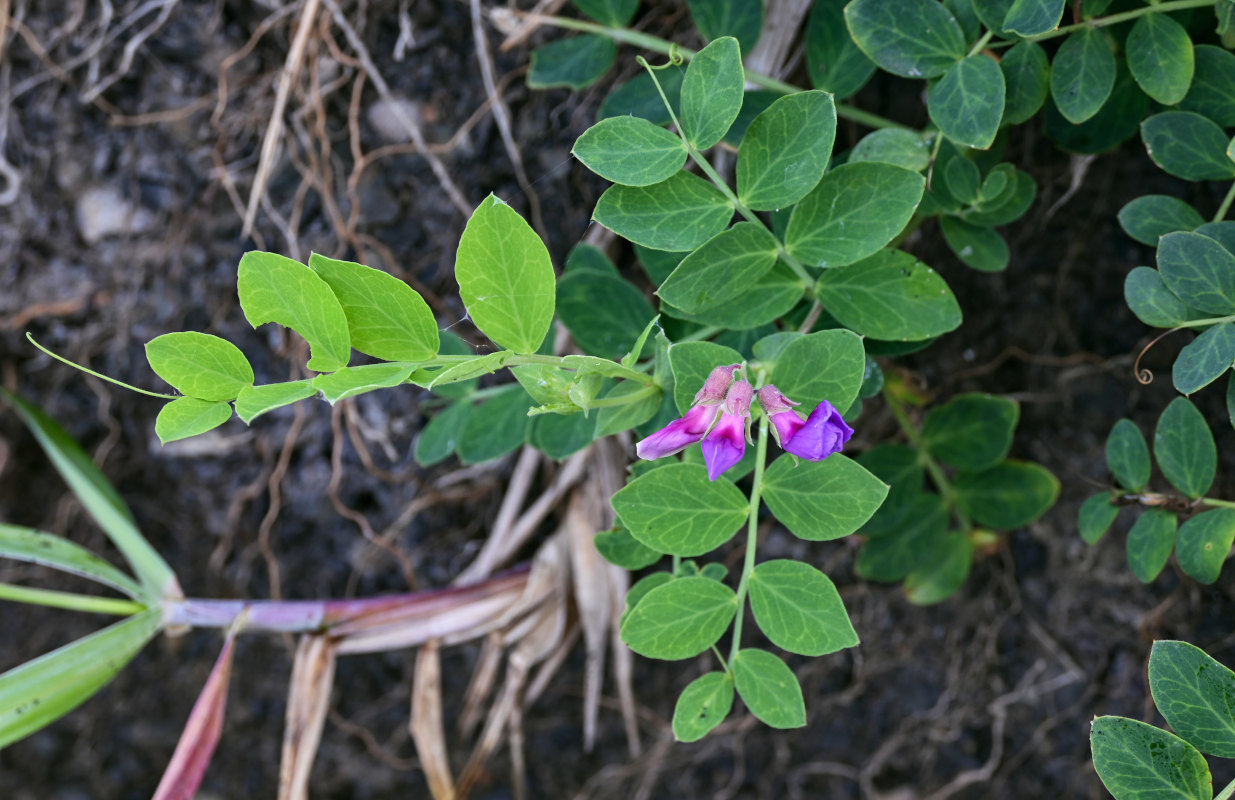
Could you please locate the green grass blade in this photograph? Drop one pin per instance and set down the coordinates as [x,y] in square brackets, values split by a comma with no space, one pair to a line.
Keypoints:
[37,547]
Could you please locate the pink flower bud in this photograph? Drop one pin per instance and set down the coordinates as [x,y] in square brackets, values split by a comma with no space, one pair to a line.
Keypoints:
[716,386]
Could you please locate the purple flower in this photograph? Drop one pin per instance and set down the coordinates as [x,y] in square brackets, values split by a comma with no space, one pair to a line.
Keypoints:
[820,435]
[719,420]
[677,435]
[724,446]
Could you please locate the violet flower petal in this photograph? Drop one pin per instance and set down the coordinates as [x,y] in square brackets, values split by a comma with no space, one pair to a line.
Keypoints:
[677,435]
[823,434]
[725,445]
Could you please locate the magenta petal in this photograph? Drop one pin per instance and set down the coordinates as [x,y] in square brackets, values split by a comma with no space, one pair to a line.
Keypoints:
[823,434]
[787,424]
[677,435]
[725,445]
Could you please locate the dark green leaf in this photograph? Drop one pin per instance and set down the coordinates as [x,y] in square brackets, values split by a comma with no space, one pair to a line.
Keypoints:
[692,363]
[895,146]
[604,313]
[1212,92]
[1009,495]
[1096,515]
[822,500]
[992,14]
[1083,74]
[614,13]
[898,466]
[1151,216]
[769,689]
[854,211]
[971,431]
[703,705]
[1153,303]
[980,248]
[944,571]
[679,619]
[1127,455]
[1188,146]
[680,213]
[963,178]
[638,97]
[200,365]
[768,299]
[273,288]
[1202,545]
[1221,232]
[630,151]
[1184,448]
[657,263]
[1203,360]
[742,19]
[1160,58]
[798,608]
[496,426]
[1199,270]
[712,93]
[1136,761]
[574,62]
[785,150]
[834,62]
[1193,692]
[1116,121]
[723,268]
[1033,17]
[1019,198]
[909,38]
[439,438]
[558,435]
[889,295]
[967,102]
[1150,542]
[827,365]
[623,550]
[615,419]
[677,510]
[900,548]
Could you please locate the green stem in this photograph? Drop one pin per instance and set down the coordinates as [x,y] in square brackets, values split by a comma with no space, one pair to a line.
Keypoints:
[665,47]
[1115,19]
[928,462]
[1226,204]
[1226,793]
[981,43]
[99,375]
[752,535]
[70,600]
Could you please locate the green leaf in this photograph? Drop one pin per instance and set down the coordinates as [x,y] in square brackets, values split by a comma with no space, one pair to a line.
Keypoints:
[945,569]
[898,466]
[1193,691]
[575,62]
[712,93]
[1007,496]
[614,13]
[768,299]
[822,500]
[100,500]
[785,150]
[1160,58]
[1212,92]
[1096,515]
[630,151]
[505,278]
[257,400]
[463,370]
[615,419]
[545,384]
[604,313]
[1082,74]
[1019,199]
[1150,542]
[495,426]
[558,435]
[1188,146]
[854,211]
[1202,545]
[273,288]
[640,590]
[742,19]
[41,691]
[1026,80]
[188,416]
[992,14]
[703,705]
[657,263]
[351,381]
[977,247]
[638,97]
[964,179]
[769,689]
[972,431]
[890,296]
[1221,232]
[680,619]
[449,345]
[199,365]
[680,213]
[440,436]
[799,609]
[677,510]
[1117,120]
[1203,360]
[909,539]
[1184,448]
[36,547]
[1199,270]
[1033,17]
[967,102]
[834,62]
[827,365]
[909,38]
[1137,761]
[1127,455]
[621,549]
[386,318]
[723,268]
[1151,216]
[896,146]
[1153,303]
[692,363]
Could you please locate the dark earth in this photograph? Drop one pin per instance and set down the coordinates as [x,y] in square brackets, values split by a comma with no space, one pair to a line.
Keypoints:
[119,113]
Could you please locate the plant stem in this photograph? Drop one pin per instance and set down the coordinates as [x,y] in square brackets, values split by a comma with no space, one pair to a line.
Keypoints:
[1226,793]
[70,600]
[928,462]
[1115,19]
[1226,204]
[981,43]
[752,535]
[663,46]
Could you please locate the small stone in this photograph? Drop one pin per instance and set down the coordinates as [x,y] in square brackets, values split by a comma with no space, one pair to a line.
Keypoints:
[102,211]
[387,119]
